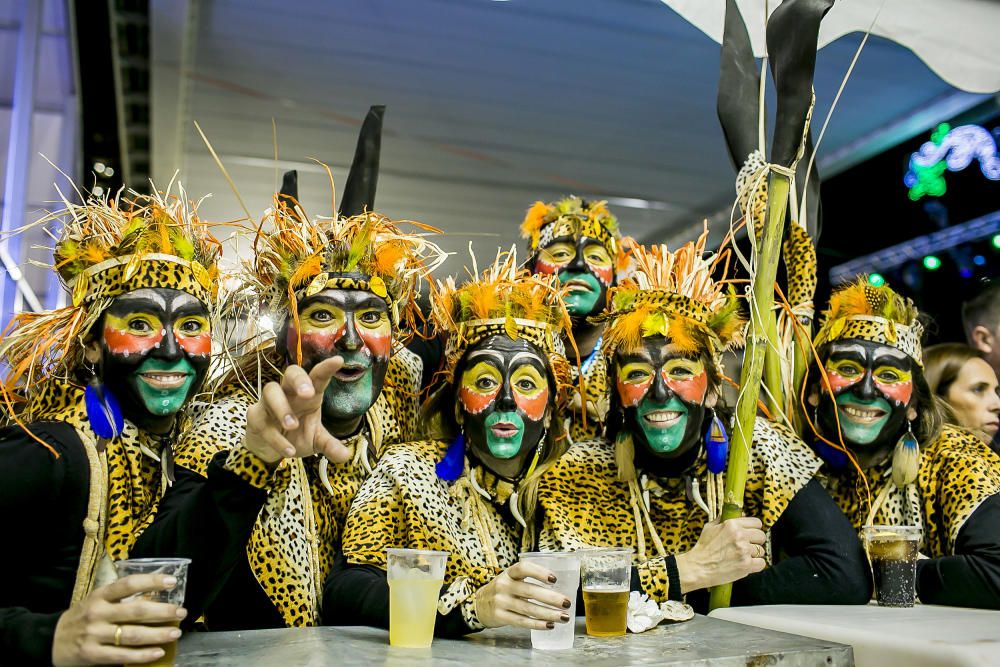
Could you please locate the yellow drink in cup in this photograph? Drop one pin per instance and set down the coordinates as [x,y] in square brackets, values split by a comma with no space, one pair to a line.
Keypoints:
[606,576]
[175,567]
[415,580]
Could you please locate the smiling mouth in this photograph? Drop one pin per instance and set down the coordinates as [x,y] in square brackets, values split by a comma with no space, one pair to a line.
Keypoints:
[504,430]
[577,285]
[350,372]
[164,379]
[663,418]
[863,415]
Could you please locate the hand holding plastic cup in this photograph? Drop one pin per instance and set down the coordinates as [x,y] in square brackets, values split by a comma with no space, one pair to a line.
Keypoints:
[415,580]
[175,567]
[606,575]
[892,551]
[566,566]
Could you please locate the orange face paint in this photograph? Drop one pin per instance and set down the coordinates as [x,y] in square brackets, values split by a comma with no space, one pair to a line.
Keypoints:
[531,391]
[136,333]
[479,387]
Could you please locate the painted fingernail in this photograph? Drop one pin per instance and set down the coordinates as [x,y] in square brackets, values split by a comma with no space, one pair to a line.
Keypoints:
[567,604]
[174,633]
[170,582]
[289,421]
[552,578]
[550,625]
[182,612]
[564,618]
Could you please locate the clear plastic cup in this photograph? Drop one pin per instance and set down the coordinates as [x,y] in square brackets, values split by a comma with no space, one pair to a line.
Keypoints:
[893,551]
[415,580]
[175,567]
[606,575]
[566,566]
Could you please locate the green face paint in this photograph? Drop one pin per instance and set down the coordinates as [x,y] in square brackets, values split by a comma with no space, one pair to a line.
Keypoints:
[662,436]
[160,387]
[580,302]
[346,400]
[859,429]
[504,446]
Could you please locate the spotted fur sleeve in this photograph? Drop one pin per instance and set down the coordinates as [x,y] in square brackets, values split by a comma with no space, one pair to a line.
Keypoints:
[375,521]
[781,466]
[957,474]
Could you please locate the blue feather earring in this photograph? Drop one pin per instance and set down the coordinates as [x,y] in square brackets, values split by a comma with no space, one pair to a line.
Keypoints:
[450,467]
[716,445]
[103,412]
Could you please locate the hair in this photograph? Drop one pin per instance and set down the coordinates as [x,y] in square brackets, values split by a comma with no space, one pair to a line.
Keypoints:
[982,310]
[438,414]
[943,363]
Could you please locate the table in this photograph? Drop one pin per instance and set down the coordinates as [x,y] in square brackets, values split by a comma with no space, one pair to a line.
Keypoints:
[703,641]
[925,635]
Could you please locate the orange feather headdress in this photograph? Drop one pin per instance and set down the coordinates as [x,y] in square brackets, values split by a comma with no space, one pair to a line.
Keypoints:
[673,294]
[863,311]
[106,248]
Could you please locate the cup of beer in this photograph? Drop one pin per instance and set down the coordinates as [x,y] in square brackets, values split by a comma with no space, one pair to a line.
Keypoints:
[566,566]
[175,567]
[606,575]
[892,551]
[415,580]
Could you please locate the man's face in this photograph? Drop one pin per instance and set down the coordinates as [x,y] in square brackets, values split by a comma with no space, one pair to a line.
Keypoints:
[663,394]
[872,390]
[352,324]
[156,344]
[583,265]
[504,399]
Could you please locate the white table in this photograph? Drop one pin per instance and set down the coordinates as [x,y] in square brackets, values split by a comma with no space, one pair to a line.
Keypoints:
[925,635]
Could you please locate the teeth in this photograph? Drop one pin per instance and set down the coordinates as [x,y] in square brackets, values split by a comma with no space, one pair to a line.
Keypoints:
[663,416]
[861,413]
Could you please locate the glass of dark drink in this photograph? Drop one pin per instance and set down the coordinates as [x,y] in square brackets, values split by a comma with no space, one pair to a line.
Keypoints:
[892,551]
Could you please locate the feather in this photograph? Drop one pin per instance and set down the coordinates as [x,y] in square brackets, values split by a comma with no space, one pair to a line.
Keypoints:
[451,466]
[103,412]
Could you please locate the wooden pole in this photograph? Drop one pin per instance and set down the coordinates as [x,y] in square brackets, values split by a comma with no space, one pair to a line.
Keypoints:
[753,360]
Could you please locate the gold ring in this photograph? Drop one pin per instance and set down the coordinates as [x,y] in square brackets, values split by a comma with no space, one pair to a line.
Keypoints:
[118,635]
[761,551]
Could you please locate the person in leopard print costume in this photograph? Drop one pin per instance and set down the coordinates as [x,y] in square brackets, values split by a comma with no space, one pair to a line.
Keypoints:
[471,490]
[579,242]
[655,484]
[897,462]
[94,397]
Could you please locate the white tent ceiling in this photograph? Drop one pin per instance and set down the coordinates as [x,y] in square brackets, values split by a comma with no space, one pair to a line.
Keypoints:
[490,105]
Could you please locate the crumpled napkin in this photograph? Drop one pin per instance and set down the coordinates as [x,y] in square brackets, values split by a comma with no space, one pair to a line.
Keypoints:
[644,613]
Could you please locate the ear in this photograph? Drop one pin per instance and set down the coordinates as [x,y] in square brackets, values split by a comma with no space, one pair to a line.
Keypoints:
[92,351]
[981,338]
[813,397]
[911,414]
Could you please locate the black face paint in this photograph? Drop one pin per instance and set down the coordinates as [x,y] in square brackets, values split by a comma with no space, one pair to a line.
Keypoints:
[155,351]
[662,394]
[872,391]
[504,398]
[355,325]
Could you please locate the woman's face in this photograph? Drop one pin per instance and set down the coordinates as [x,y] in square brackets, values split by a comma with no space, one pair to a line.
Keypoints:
[504,400]
[973,397]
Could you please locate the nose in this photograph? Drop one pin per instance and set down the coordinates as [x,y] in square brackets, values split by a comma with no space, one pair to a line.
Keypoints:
[660,392]
[351,340]
[993,404]
[505,401]
[865,390]
[168,349]
[577,264]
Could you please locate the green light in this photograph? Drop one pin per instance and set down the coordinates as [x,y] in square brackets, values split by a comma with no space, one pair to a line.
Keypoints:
[876,279]
[932,263]
[996,241]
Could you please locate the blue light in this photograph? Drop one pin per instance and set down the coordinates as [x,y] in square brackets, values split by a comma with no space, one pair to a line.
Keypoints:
[979,260]
[965,272]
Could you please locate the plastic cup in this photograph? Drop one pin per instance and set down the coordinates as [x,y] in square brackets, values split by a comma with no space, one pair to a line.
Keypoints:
[566,566]
[606,575]
[415,580]
[175,567]
[892,551]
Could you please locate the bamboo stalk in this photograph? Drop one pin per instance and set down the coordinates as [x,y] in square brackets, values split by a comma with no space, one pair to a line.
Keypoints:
[753,360]
[772,364]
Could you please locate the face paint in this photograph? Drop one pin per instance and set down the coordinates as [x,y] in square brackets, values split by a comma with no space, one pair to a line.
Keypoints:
[504,397]
[872,389]
[355,325]
[662,394]
[155,350]
[582,264]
